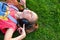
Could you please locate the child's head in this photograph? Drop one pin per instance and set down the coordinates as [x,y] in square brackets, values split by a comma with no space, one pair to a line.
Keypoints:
[28,18]
[27,14]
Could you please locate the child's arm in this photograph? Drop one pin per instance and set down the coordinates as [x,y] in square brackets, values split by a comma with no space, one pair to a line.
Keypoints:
[22,32]
[9,33]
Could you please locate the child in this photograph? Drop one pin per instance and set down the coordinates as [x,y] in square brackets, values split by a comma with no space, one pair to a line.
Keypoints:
[8,26]
[9,33]
[29,18]
[23,3]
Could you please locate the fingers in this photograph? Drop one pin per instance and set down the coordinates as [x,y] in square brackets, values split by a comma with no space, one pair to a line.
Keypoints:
[23,2]
[23,31]
[24,26]
[19,30]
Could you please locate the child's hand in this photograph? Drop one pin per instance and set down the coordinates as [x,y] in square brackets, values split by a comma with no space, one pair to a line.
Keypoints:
[22,30]
[23,2]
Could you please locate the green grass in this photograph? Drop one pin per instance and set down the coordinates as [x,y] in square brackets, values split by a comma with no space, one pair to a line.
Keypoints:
[49,13]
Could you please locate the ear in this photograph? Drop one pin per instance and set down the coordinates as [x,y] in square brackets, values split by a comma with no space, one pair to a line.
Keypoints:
[35,26]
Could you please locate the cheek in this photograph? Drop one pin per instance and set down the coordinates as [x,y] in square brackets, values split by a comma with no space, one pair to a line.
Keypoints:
[28,16]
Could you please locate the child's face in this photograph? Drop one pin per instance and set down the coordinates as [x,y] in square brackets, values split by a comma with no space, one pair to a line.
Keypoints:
[31,17]
[28,15]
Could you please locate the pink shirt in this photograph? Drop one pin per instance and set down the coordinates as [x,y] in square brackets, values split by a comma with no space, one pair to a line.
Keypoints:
[6,24]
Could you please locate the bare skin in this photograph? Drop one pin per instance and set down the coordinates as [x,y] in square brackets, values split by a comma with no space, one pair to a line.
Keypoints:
[9,33]
[29,15]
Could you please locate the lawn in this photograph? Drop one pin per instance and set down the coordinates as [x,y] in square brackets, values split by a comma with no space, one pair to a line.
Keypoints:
[49,13]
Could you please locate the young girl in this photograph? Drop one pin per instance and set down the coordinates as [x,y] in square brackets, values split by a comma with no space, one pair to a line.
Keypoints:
[8,23]
[23,3]
[8,26]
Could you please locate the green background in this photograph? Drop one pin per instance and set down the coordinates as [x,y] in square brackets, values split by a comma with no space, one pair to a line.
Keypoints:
[49,13]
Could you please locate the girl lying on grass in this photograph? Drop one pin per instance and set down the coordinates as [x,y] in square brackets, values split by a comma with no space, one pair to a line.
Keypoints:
[11,20]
